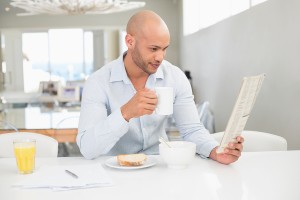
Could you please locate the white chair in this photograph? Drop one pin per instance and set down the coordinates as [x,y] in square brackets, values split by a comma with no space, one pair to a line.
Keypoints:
[45,146]
[67,149]
[8,127]
[206,116]
[259,141]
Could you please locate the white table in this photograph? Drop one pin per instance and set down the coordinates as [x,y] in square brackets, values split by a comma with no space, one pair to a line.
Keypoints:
[256,176]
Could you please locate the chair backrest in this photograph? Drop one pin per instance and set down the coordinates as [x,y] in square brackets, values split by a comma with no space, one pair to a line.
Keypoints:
[7,127]
[45,146]
[206,116]
[67,149]
[68,122]
[259,141]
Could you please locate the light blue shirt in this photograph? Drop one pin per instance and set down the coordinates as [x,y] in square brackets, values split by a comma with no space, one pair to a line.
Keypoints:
[103,130]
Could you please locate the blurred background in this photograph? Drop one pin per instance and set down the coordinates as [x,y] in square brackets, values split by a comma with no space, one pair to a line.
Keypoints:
[45,60]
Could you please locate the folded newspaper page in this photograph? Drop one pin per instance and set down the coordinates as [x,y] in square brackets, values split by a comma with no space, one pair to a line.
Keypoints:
[242,109]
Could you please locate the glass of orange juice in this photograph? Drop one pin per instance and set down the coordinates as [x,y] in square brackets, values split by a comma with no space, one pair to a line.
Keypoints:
[25,155]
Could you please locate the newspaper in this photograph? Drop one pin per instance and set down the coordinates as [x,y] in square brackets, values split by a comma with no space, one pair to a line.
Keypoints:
[242,109]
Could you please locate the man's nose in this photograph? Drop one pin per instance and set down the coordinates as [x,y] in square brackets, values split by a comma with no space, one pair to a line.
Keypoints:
[160,56]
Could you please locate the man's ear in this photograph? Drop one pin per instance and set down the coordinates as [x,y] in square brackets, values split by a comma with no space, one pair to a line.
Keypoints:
[129,39]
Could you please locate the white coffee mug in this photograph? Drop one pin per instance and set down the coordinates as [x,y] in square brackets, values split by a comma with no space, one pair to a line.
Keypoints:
[165,100]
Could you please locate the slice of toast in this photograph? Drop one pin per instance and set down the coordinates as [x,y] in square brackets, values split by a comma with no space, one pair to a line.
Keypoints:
[131,159]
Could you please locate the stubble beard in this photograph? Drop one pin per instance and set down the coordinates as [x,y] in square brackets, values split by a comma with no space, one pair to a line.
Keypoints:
[139,61]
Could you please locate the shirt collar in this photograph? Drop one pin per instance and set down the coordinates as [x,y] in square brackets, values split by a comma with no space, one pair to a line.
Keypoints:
[159,73]
[118,72]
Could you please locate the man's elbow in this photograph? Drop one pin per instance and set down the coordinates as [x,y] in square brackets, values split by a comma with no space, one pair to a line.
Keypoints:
[87,155]
[91,153]
[90,149]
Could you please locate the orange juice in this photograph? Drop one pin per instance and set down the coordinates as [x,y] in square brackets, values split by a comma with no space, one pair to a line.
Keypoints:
[25,155]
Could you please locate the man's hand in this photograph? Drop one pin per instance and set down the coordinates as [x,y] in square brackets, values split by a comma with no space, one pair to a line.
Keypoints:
[142,103]
[231,153]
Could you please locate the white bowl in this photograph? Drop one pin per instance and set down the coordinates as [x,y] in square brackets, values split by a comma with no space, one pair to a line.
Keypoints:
[179,155]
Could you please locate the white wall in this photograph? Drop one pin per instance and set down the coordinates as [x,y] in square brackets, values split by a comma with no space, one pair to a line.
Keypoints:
[264,39]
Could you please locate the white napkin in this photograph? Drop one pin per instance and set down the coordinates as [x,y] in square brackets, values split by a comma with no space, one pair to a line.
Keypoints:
[55,177]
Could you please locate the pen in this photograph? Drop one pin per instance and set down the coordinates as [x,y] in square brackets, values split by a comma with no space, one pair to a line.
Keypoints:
[71,173]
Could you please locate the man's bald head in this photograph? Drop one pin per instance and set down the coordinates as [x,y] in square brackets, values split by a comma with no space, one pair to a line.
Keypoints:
[144,22]
[147,40]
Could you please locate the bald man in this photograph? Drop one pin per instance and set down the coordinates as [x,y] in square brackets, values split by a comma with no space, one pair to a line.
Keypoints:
[118,100]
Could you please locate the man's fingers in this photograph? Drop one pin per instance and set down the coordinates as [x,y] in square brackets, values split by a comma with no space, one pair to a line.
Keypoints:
[236,146]
[149,94]
[148,97]
[240,139]
[233,152]
[143,103]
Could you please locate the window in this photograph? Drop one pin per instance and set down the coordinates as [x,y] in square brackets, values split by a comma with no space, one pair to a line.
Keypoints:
[199,14]
[56,55]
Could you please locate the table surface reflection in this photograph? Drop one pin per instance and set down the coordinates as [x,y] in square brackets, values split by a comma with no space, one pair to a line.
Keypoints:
[256,176]
[58,122]
[41,117]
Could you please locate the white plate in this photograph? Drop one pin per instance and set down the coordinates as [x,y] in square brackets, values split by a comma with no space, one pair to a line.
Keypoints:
[112,162]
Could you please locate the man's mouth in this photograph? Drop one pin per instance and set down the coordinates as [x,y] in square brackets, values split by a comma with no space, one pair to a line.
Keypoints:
[156,65]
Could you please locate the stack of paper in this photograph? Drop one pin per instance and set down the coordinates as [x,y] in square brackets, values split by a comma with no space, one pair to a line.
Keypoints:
[56,177]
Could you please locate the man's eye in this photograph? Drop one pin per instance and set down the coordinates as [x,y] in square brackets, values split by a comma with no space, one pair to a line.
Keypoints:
[153,49]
